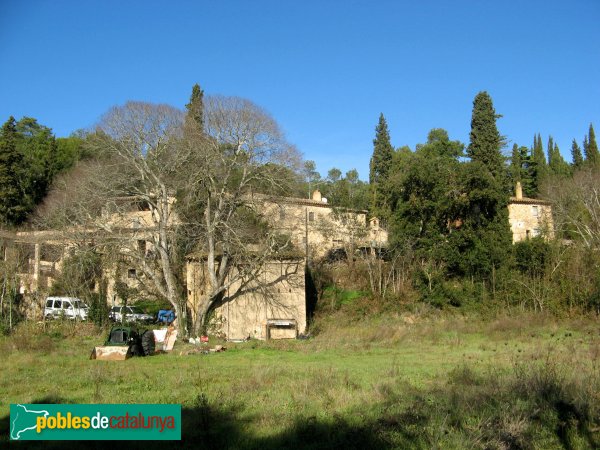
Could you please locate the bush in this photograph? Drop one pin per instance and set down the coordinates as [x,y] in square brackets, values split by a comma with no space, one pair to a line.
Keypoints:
[98,312]
[152,306]
[532,256]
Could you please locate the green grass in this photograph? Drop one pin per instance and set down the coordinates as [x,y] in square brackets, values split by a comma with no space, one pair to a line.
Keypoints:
[396,382]
[337,297]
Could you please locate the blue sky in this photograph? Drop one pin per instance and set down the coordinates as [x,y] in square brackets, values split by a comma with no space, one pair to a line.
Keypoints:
[324,69]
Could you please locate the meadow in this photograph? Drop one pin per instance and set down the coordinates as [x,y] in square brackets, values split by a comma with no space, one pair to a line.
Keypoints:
[403,381]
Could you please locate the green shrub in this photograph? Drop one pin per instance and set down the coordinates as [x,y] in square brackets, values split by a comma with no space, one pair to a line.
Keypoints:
[99,310]
[532,256]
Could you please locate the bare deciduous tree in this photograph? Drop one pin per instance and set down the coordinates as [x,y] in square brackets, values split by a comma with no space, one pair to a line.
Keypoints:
[243,151]
[161,187]
[576,205]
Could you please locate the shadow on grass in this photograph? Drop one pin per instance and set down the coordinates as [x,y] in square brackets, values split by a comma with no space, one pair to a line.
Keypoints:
[208,427]
[537,408]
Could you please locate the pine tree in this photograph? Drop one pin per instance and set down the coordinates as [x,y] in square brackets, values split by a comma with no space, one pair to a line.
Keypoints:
[380,165]
[195,107]
[12,211]
[576,155]
[592,156]
[485,140]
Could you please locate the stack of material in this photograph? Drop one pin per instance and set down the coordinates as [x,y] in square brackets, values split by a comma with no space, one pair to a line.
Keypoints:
[166,337]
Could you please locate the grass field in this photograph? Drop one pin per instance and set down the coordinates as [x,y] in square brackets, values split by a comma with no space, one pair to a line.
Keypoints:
[403,382]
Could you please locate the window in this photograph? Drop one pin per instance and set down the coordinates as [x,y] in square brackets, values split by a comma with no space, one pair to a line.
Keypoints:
[142,247]
[49,304]
[534,211]
[57,304]
[131,273]
[311,216]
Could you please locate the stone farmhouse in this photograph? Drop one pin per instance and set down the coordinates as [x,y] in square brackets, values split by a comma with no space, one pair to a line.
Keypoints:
[529,217]
[272,304]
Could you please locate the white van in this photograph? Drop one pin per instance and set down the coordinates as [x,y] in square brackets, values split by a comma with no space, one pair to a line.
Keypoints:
[67,307]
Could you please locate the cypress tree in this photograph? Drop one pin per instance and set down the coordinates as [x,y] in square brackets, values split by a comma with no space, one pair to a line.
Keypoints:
[557,165]
[550,150]
[516,164]
[485,236]
[539,167]
[485,140]
[527,172]
[379,166]
[12,211]
[591,149]
[576,155]
[195,107]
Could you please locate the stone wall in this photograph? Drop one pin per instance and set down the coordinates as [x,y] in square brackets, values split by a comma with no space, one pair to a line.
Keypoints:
[277,293]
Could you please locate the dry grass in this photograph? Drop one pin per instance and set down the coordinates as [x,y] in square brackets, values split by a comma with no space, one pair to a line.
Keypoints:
[385,382]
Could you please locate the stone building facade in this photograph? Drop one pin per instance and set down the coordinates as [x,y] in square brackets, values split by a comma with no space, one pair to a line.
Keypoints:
[529,217]
[270,306]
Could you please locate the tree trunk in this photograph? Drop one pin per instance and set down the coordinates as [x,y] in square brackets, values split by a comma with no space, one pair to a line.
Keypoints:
[202,315]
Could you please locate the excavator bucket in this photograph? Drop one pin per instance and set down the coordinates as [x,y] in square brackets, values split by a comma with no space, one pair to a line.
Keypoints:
[111,353]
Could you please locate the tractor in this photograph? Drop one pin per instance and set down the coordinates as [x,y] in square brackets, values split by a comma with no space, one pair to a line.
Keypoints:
[125,341]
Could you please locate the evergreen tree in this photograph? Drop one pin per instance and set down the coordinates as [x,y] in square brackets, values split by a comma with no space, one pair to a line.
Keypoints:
[38,146]
[484,240]
[521,169]
[195,107]
[591,149]
[451,213]
[12,210]
[550,149]
[485,140]
[576,155]
[379,166]
[539,167]
[557,165]
[516,165]
[483,243]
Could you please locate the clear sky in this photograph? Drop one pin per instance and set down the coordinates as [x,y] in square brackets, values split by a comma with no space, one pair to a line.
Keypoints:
[324,69]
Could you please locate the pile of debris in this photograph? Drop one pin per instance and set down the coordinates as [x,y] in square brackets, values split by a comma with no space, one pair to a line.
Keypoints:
[202,347]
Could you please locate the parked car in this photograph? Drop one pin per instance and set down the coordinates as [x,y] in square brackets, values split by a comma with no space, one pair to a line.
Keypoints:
[132,314]
[67,307]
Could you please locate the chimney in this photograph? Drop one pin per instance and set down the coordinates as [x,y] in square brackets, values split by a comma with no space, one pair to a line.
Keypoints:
[317,195]
[519,191]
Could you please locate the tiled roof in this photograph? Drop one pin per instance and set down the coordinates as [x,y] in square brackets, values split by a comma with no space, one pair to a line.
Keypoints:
[528,201]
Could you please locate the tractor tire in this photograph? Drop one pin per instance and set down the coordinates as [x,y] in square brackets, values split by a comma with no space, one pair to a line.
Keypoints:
[136,350]
[148,343]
